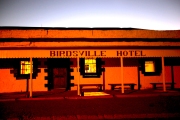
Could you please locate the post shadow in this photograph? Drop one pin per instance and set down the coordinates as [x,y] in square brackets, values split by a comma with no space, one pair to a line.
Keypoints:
[172,77]
[27,87]
[139,83]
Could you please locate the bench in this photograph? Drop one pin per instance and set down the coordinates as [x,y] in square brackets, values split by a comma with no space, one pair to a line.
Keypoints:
[98,87]
[155,84]
[114,85]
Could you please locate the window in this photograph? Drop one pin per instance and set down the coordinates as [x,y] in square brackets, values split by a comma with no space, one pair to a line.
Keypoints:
[25,67]
[22,68]
[149,66]
[90,65]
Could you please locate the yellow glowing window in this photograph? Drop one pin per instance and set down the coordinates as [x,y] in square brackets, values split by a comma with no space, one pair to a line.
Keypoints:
[90,65]
[149,66]
[25,67]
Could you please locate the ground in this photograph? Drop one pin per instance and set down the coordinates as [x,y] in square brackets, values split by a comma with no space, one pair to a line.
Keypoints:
[93,108]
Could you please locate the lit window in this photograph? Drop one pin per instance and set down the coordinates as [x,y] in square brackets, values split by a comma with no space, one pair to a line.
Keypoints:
[90,65]
[149,66]
[25,67]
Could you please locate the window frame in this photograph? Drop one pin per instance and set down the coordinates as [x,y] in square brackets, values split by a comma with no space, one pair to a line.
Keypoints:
[26,66]
[97,74]
[17,69]
[90,65]
[152,64]
[157,66]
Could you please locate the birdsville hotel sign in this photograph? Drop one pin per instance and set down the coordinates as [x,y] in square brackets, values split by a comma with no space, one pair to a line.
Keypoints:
[95,53]
[87,53]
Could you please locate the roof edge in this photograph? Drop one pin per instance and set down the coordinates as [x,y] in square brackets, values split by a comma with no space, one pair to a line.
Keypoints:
[74,28]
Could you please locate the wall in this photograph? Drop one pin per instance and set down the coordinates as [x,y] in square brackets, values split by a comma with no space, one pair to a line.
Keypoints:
[39,83]
[113,74]
[177,76]
[8,82]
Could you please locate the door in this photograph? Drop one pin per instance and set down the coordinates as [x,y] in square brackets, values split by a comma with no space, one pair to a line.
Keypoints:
[60,77]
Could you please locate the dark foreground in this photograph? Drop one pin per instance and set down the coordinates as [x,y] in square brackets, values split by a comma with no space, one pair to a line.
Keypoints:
[164,107]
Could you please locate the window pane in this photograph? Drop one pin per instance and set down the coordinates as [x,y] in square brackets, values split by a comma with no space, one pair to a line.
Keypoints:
[86,61]
[25,67]
[86,67]
[149,66]
[93,68]
[94,61]
[90,65]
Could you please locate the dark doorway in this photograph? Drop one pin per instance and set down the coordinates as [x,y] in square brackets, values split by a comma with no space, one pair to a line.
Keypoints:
[60,77]
[58,73]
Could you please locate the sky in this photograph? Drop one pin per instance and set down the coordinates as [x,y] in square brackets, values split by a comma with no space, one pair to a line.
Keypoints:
[144,14]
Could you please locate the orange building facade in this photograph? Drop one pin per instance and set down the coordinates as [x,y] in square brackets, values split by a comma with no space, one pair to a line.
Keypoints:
[43,59]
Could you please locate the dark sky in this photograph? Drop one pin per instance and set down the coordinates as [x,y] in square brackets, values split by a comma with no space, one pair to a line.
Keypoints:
[145,14]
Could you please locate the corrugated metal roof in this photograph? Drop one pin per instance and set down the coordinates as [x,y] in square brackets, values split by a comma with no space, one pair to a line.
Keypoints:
[42,32]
